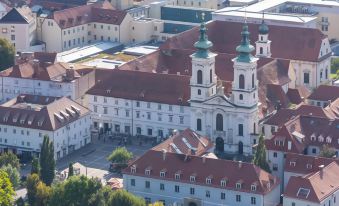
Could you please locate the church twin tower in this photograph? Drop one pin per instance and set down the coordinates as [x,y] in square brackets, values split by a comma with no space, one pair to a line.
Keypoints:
[231,121]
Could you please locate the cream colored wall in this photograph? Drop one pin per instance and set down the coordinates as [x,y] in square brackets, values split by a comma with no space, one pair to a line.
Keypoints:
[208,4]
[333,28]
[145,30]
[51,35]
[125,36]
[77,36]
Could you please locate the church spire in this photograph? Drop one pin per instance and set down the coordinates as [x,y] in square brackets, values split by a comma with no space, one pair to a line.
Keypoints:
[263,28]
[203,45]
[245,48]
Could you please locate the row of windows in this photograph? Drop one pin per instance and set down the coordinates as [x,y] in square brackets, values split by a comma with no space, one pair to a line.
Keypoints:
[139,104]
[192,191]
[220,125]
[83,28]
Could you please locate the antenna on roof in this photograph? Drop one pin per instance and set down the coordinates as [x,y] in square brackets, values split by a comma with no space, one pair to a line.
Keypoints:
[245,14]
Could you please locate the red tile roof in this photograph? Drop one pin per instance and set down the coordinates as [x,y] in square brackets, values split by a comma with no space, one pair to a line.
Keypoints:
[231,171]
[226,37]
[297,95]
[325,93]
[184,142]
[317,186]
[87,14]
[305,164]
[40,112]
[144,86]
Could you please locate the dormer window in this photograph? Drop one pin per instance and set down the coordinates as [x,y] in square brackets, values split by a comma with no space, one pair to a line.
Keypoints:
[309,166]
[268,185]
[39,123]
[162,174]
[147,172]
[22,121]
[5,119]
[328,139]
[177,176]
[253,187]
[313,137]
[192,178]
[133,169]
[223,183]
[208,181]
[238,185]
[320,138]
[292,163]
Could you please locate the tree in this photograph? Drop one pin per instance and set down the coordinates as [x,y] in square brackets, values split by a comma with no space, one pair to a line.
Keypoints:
[43,194]
[260,155]
[75,191]
[31,186]
[101,197]
[327,151]
[70,170]
[35,166]
[6,190]
[13,174]
[122,197]
[156,204]
[8,158]
[47,162]
[120,158]
[7,52]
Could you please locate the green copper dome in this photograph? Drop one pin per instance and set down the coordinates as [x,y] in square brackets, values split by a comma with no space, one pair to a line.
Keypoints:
[203,45]
[263,28]
[245,48]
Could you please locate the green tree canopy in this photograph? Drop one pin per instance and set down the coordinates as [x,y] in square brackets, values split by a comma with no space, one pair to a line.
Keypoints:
[31,186]
[120,157]
[101,197]
[70,170]
[75,191]
[47,162]
[8,158]
[7,52]
[6,190]
[122,197]
[35,166]
[327,151]
[43,194]
[13,175]
[260,155]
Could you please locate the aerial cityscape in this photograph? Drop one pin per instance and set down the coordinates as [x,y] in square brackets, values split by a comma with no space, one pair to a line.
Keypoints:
[169,102]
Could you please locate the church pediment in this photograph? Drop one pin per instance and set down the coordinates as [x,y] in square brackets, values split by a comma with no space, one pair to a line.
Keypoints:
[219,100]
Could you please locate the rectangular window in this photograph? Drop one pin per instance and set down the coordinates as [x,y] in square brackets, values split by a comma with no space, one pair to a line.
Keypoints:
[253,201]
[147,184]
[162,186]
[149,132]
[138,104]
[159,106]
[222,195]
[198,124]
[176,188]
[208,194]
[148,105]
[127,113]
[105,110]
[238,198]
[170,118]
[148,115]
[181,119]
[192,191]
[133,182]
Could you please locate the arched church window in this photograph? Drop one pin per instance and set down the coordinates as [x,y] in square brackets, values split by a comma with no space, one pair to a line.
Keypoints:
[199,92]
[253,80]
[326,73]
[211,76]
[199,76]
[254,128]
[241,81]
[262,38]
[241,97]
[219,122]
[261,50]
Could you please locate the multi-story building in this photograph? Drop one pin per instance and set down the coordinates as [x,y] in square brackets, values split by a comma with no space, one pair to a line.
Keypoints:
[163,102]
[37,74]
[323,95]
[26,119]
[316,188]
[188,180]
[79,26]
[18,26]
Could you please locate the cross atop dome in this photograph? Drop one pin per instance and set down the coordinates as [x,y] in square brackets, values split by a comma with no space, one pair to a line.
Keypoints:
[203,45]
[245,48]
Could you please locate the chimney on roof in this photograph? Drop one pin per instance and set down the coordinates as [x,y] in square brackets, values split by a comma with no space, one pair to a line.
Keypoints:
[70,73]
[164,152]
[116,66]
[240,164]
[203,159]
[36,66]
[321,170]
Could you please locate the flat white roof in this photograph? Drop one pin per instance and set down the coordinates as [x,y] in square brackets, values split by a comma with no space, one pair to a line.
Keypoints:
[268,16]
[267,4]
[103,63]
[86,51]
[140,50]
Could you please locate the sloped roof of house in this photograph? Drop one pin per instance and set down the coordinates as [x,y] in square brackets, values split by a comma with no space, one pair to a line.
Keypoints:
[225,37]
[186,165]
[314,187]
[186,142]
[16,16]
[325,93]
[41,112]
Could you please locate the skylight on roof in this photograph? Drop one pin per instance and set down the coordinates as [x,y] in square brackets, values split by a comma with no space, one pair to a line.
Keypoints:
[303,193]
